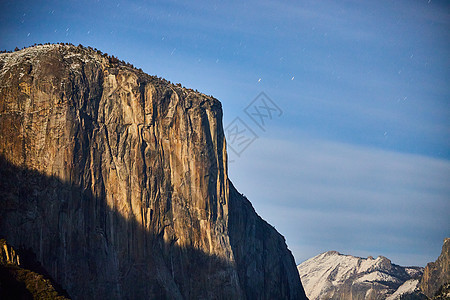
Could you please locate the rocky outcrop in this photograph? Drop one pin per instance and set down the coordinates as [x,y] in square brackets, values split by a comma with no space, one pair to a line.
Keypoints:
[332,275]
[118,182]
[8,255]
[437,274]
[18,281]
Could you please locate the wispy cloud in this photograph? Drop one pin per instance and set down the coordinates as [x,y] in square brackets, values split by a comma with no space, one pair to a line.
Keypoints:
[332,196]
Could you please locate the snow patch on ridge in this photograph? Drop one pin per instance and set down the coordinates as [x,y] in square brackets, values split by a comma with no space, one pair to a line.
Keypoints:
[377,276]
[407,287]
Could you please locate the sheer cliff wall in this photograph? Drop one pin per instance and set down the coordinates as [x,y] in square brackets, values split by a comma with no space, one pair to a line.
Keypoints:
[118,182]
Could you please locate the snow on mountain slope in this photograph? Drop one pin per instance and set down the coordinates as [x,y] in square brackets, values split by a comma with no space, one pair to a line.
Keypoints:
[332,275]
[409,286]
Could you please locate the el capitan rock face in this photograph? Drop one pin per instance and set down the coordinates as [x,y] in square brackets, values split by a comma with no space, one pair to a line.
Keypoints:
[117,181]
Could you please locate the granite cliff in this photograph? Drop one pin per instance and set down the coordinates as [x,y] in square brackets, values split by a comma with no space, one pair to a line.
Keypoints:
[437,274]
[117,181]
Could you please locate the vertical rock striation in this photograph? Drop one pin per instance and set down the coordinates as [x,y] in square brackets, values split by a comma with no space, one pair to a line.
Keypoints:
[117,181]
[437,274]
[8,255]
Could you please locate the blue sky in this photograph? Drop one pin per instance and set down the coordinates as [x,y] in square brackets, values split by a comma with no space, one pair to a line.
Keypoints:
[359,159]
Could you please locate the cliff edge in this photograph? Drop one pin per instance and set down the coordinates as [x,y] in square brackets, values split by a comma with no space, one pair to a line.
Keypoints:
[117,181]
[437,274]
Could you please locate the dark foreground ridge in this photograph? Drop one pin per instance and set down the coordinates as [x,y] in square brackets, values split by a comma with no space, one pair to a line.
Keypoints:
[117,181]
[22,277]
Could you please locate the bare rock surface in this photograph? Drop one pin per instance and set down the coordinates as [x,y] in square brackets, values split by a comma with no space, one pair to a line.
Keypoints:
[437,274]
[118,182]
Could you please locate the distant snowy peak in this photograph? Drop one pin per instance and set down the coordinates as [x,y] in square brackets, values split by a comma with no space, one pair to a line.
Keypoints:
[332,275]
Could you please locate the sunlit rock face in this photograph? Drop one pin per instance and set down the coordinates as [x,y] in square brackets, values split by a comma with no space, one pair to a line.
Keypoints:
[117,181]
[437,274]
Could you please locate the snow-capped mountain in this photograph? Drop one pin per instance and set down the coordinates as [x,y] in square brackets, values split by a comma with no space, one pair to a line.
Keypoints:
[332,275]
